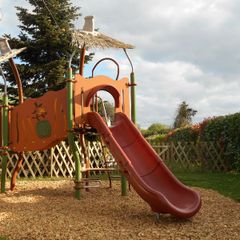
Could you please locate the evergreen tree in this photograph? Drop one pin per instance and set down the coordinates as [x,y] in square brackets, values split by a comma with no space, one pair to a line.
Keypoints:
[46,32]
[184,115]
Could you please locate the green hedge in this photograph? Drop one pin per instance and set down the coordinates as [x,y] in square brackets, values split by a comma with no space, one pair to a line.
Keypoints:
[224,130]
[186,134]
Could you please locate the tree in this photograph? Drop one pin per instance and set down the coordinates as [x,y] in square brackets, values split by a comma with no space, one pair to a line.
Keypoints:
[155,129]
[184,115]
[109,108]
[46,32]
[158,128]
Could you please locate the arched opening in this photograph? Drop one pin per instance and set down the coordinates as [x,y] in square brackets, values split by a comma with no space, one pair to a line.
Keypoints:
[110,89]
[104,99]
[104,103]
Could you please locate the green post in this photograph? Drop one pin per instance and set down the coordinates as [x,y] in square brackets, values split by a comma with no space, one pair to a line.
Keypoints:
[71,141]
[133,98]
[133,117]
[4,141]
[123,185]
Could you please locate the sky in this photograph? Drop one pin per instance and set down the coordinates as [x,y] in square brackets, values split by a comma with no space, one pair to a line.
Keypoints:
[186,50]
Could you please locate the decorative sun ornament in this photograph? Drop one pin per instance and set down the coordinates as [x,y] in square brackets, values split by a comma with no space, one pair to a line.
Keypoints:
[39,112]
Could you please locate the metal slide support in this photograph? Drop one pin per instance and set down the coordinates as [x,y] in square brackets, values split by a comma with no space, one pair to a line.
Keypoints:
[4,141]
[133,90]
[71,141]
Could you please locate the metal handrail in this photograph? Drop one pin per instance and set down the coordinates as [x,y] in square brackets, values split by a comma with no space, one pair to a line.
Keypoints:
[104,59]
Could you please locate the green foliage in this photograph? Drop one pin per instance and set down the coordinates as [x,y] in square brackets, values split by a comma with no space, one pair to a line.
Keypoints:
[185,134]
[109,108]
[48,40]
[160,137]
[156,129]
[225,183]
[184,115]
[224,130]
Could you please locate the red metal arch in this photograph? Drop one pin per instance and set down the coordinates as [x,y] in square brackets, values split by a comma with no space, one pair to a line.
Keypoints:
[110,89]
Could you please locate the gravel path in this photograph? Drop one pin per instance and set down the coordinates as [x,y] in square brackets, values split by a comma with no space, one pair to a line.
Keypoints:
[48,210]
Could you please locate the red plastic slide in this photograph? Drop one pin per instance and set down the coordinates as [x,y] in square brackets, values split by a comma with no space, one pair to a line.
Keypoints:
[143,168]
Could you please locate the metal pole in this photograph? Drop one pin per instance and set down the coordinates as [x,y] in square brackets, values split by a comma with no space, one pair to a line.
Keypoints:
[4,141]
[133,116]
[71,141]
[82,60]
[133,90]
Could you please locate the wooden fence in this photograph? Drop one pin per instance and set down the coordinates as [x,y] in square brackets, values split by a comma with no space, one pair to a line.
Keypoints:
[207,156]
[58,161]
[55,162]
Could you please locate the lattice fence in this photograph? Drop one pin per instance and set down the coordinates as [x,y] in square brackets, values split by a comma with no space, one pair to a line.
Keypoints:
[55,162]
[189,155]
[58,161]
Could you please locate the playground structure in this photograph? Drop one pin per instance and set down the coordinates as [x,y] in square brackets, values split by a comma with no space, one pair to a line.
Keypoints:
[40,123]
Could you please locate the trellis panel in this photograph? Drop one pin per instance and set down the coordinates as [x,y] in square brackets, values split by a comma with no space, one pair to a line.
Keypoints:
[58,161]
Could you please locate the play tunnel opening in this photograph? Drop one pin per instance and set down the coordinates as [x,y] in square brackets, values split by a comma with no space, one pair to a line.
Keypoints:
[104,103]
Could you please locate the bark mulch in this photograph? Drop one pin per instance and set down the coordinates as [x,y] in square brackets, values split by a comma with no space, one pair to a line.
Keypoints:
[48,210]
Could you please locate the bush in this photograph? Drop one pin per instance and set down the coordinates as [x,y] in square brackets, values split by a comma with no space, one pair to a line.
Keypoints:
[156,129]
[224,129]
[159,137]
[186,134]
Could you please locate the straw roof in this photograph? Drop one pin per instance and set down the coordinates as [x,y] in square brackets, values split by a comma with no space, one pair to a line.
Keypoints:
[94,39]
[10,54]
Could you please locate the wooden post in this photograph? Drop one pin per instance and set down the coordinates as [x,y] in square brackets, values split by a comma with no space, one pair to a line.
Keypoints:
[51,162]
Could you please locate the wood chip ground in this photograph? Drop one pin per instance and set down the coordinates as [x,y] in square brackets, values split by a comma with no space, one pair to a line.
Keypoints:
[48,210]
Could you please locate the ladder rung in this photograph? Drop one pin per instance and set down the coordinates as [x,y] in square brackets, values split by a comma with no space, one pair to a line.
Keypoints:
[90,186]
[115,176]
[98,169]
[97,183]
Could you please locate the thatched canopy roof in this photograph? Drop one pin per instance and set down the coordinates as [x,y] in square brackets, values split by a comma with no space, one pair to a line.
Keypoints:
[10,54]
[94,39]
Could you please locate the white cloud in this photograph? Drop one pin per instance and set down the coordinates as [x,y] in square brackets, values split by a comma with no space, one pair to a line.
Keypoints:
[186,51]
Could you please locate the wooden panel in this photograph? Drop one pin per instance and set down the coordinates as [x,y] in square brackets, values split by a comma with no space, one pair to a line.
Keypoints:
[39,123]
[86,88]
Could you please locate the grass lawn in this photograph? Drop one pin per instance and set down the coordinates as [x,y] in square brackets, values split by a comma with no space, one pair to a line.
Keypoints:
[227,184]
